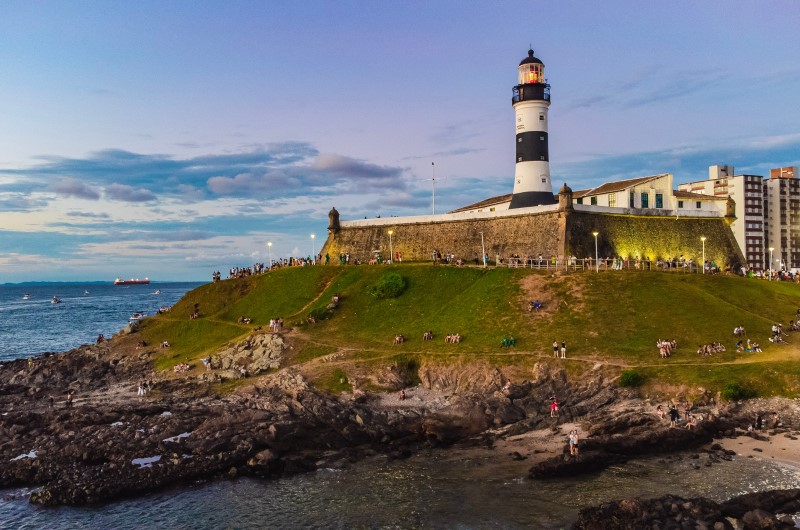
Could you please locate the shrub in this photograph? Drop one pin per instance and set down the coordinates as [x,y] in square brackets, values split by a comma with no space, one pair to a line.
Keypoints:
[319,313]
[409,366]
[735,392]
[631,378]
[390,285]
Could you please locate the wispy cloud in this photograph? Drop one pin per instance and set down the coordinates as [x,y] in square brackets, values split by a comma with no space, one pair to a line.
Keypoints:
[652,86]
[686,162]
[456,133]
[288,169]
[70,187]
[88,215]
[19,202]
[123,192]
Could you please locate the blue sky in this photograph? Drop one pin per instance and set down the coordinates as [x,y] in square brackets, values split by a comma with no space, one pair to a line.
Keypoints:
[171,139]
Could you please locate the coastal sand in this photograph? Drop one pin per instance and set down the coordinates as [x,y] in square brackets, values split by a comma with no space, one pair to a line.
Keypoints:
[779,447]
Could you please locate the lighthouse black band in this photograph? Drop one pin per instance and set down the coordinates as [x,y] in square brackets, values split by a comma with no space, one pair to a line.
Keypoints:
[532,146]
[531,198]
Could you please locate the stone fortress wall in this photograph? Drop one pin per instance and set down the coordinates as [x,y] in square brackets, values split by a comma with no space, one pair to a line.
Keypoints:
[560,231]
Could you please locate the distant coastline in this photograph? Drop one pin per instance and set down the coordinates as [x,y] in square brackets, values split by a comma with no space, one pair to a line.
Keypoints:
[92,282]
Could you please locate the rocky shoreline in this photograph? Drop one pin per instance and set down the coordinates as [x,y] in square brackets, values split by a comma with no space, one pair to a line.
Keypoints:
[112,443]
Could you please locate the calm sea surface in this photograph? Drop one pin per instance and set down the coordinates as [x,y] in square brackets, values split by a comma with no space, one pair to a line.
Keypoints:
[425,491]
[431,490]
[33,326]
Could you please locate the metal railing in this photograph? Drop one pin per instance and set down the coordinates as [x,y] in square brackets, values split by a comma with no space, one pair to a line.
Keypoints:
[589,264]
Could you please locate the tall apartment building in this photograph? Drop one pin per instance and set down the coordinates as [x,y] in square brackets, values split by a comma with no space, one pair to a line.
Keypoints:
[748,191]
[781,197]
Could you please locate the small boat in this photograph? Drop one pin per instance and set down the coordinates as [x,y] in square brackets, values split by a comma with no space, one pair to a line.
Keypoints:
[157,291]
[85,293]
[26,296]
[137,317]
[55,300]
[132,281]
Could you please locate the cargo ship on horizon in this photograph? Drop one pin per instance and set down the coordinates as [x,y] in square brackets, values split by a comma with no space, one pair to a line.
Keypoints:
[132,281]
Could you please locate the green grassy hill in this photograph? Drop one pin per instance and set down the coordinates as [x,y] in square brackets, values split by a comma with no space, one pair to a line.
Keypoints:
[612,317]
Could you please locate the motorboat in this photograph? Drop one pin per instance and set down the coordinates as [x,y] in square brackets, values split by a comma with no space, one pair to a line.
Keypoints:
[55,300]
[85,293]
[157,291]
[132,281]
[26,296]
[137,317]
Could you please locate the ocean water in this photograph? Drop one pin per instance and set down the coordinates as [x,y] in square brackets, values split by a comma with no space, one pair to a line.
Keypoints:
[34,326]
[430,490]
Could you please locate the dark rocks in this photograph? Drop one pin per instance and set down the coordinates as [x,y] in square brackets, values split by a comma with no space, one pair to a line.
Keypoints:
[621,437]
[753,511]
[566,465]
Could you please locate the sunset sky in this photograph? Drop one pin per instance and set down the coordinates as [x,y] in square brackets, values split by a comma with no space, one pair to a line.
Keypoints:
[172,139]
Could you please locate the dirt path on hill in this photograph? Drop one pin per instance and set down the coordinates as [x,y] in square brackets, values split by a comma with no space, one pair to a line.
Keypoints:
[339,357]
[325,288]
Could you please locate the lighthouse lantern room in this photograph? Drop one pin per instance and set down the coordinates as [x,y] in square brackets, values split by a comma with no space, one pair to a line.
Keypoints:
[531,100]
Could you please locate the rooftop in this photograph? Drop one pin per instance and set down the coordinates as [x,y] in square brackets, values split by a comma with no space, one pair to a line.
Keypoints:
[500,199]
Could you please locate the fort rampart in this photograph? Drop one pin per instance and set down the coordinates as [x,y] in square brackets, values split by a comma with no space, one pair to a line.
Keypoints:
[561,230]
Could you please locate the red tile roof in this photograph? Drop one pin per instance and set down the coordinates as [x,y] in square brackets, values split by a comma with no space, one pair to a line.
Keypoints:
[485,203]
[679,194]
[619,185]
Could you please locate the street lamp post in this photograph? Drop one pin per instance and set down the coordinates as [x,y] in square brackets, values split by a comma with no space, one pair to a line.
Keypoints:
[596,256]
[314,249]
[391,253]
[703,239]
[483,251]
[269,248]
[770,262]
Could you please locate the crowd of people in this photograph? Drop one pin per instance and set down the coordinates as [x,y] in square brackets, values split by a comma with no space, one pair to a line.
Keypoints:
[261,268]
[690,420]
[453,339]
[777,333]
[666,347]
[710,348]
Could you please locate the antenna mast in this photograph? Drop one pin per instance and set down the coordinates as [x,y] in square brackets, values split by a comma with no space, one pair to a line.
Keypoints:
[433,182]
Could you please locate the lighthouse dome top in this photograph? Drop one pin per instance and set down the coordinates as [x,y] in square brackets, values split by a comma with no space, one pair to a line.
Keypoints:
[530,59]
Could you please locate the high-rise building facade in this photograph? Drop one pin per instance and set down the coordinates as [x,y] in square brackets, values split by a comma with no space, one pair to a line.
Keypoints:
[747,191]
[781,196]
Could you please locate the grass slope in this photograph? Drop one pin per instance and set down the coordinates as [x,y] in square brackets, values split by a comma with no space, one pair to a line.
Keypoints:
[612,317]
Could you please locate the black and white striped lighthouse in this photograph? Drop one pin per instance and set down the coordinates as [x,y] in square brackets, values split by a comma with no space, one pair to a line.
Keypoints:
[531,100]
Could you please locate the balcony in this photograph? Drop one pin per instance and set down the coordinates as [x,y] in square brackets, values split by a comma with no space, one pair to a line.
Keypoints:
[532,92]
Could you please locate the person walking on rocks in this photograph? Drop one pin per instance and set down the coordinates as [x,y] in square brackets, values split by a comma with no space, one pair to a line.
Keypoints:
[69,399]
[673,416]
[554,409]
[563,349]
[555,349]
